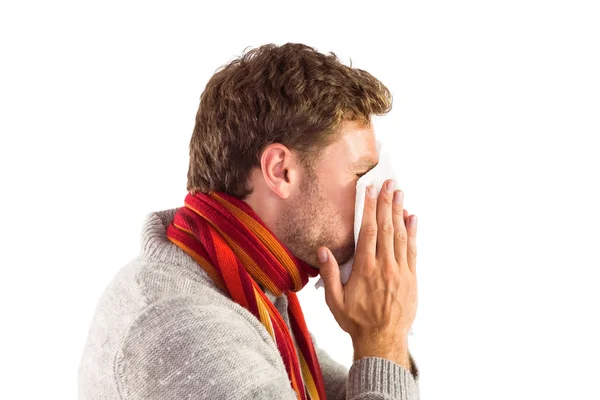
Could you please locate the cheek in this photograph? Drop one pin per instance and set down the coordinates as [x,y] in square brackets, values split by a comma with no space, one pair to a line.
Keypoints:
[346,202]
[341,195]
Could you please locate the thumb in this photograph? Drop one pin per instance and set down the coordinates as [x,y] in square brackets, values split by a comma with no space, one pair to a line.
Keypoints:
[329,271]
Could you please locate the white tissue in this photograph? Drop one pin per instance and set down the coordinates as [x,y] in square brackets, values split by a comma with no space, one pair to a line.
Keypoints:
[383,171]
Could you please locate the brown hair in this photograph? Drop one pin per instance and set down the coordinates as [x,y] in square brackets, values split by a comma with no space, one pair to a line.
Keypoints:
[289,94]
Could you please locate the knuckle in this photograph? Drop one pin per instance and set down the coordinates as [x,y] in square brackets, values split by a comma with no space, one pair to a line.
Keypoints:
[401,236]
[412,251]
[392,273]
[365,260]
[387,227]
[369,230]
[371,205]
[367,269]
[326,274]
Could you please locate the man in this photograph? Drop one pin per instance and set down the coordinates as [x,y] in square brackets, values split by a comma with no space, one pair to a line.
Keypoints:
[208,309]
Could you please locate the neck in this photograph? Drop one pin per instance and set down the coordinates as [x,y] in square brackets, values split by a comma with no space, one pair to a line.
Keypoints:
[267,207]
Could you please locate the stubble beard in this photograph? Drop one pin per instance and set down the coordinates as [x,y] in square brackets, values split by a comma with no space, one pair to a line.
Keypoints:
[310,222]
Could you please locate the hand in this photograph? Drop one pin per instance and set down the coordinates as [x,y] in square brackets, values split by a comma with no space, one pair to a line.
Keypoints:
[378,303]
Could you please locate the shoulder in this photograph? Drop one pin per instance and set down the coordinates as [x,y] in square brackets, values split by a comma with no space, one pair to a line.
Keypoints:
[186,345]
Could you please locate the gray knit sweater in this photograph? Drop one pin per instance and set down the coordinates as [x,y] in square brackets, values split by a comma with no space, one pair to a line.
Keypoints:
[163,330]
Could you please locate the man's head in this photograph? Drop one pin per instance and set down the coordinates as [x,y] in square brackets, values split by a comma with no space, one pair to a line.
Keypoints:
[288,130]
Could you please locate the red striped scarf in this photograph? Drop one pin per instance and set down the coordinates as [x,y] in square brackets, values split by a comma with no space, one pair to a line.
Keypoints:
[228,240]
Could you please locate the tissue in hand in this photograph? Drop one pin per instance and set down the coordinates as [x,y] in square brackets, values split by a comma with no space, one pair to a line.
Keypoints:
[383,171]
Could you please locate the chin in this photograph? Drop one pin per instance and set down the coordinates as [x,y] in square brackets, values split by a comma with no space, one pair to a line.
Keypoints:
[344,254]
[312,261]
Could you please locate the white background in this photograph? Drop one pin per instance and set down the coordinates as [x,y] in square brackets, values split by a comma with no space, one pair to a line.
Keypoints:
[495,126]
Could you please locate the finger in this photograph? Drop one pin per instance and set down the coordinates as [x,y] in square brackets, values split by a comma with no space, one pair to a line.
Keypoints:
[412,244]
[400,235]
[367,237]
[329,271]
[385,223]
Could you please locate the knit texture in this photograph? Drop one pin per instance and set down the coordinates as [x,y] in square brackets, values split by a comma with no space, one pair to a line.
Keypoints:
[164,330]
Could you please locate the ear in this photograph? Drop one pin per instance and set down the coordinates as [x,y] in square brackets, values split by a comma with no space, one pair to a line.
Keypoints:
[280,169]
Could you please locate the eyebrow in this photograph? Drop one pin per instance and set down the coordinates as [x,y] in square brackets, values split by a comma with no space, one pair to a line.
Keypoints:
[366,165]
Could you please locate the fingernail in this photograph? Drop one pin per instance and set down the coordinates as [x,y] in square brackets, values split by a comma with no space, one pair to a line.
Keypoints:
[398,197]
[372,192]
[413,221]
[322,255]
[390,186]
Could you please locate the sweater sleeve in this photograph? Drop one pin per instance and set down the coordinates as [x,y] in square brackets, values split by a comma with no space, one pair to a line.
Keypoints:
[371,378]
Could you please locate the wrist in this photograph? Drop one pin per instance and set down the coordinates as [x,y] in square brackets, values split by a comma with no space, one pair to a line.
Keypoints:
[396,351]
